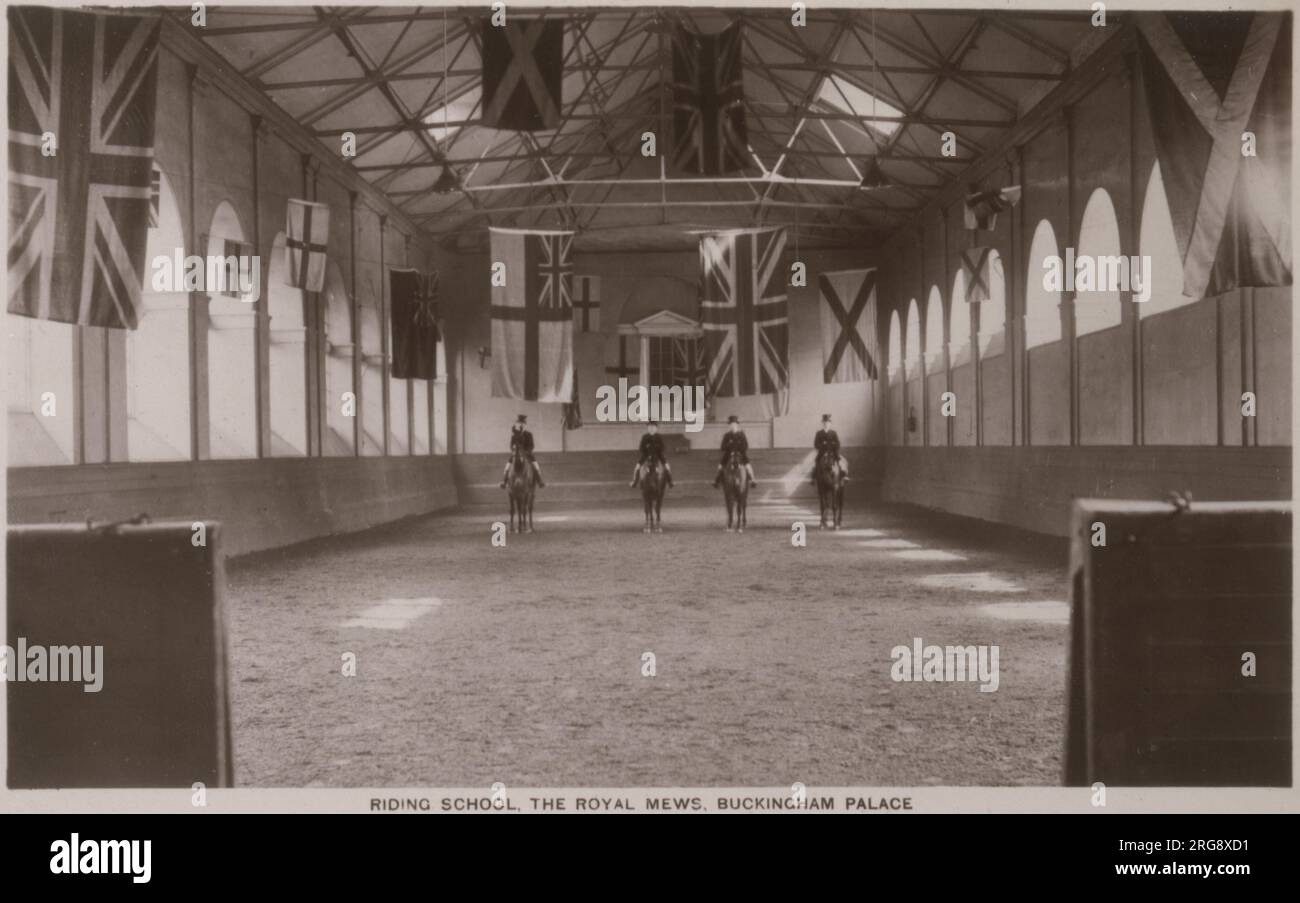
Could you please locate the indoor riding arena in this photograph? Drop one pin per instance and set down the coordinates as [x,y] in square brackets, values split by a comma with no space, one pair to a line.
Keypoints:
[1011,290]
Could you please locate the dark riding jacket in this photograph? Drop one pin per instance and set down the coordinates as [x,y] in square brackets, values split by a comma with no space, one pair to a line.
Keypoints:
[652,446]
[522,439]
[827,440]
[736,442]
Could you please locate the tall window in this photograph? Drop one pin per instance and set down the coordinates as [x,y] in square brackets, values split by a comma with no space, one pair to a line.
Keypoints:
[158,410]
[42,410]
[895,348]
[1098,240]
[912,340]
[339,438]
[288,353]
[373,364]
[1042,305]
[1158,242]
[959,324]
[232,347]
[993,312]
[934,332]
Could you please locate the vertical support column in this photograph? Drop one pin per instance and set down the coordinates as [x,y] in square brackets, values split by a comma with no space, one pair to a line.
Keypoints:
[1135,241]
[947,324]
[354,309]
[200,432]
[1068,330]
[923,311]
[1015,306]
[314,346]
[643,365]
[1249,425]
[262,323]
[410,383]
[384,337]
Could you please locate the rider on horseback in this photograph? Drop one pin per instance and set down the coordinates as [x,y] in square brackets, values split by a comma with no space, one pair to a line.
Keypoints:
[522,439]
[734,442]
[829,440]
[652,448]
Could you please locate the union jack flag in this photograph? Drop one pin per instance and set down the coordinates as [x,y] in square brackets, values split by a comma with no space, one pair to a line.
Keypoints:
[79,219]
[744,313]
[556,270]
[709,131]
[689,368]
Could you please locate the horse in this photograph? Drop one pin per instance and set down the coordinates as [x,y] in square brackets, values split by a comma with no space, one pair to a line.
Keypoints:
[735,488]
[653,485]
[830,488]
[520,487]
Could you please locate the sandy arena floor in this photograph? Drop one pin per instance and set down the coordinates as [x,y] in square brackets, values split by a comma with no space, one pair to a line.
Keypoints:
[524,664]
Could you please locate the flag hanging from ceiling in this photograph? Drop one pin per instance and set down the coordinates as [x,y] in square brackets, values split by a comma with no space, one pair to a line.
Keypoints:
[586,303]
[983,207]
[709,132]
[744,313]
[523,67]
[414,312]
[1211,80]
[848,320]
[307,227]
[873,176]
[977,273]
[626,366]
[532,316]
[79,217]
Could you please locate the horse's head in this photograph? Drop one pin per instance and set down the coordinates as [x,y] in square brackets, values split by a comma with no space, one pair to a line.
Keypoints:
[518,461]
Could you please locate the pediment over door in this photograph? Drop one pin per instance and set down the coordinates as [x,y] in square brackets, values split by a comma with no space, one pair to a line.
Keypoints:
[664,322]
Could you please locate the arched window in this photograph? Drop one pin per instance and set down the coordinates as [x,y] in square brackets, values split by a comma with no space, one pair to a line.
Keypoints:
[288,355]
[1157,241]
[158,410]
[1042,305]
[1099,248]
[420,416]
[912,340]
[959,323]
[398,421]
[232,346]
[373,365]
[895,348]
[993,312]
[934,332]
[42,398]
[339,437]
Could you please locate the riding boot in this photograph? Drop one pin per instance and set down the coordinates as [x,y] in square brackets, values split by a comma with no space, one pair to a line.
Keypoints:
[717,481]
[636,476]
[668,475]
[749,472]
[537,469]
[505,476]
[844,470]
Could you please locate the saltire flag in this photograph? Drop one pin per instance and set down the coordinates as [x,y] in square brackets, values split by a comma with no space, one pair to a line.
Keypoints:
[744,313]
[155,197]
[625,368]
[532,316]
[689,369]
[982,207]
[709,133]
[307,231]
[79,219]
[414,313]
[586,303]
[523,67]
[1209,80]
[977,273]
[848,321]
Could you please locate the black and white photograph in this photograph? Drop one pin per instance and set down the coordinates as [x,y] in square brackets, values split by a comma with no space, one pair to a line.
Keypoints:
[762,407]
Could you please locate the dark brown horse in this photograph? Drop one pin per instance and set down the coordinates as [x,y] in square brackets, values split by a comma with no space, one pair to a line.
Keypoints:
[520,486]
[653,484]
[735,488]
[830,488]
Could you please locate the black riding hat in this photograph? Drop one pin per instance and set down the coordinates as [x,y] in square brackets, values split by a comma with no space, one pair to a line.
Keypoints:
[733,419]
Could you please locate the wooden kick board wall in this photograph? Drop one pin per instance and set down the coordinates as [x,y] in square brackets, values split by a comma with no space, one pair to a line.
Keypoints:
[153,601]
[1160,619]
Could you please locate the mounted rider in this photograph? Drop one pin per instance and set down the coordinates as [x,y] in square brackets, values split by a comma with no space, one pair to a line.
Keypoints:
[735,442]
[651,449]
[522,439]
[827,439]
